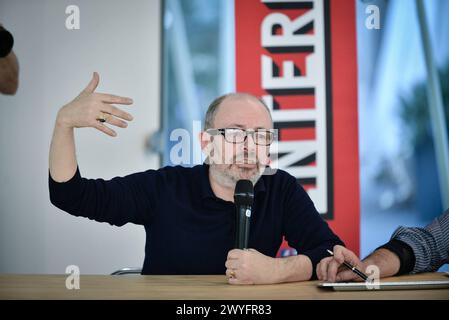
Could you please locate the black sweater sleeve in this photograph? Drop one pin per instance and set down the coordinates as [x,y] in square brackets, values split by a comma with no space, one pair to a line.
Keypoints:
[116,201]
[404,253]
[304,228]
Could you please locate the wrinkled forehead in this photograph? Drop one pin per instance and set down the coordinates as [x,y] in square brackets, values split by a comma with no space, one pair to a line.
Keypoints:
[242,112]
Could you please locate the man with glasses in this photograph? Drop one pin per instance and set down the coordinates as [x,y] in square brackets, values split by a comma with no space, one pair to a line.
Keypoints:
[188,213]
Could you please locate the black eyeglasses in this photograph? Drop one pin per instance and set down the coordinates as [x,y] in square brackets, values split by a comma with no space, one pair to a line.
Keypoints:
[261,137]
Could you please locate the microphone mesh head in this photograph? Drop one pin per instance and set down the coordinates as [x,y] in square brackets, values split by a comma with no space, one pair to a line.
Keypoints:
[244,193]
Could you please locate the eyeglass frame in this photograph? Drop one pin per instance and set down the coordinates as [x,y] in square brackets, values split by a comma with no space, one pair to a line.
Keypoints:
[222,131]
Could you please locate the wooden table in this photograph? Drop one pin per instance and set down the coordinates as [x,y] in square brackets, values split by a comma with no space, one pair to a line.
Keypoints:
[207,287]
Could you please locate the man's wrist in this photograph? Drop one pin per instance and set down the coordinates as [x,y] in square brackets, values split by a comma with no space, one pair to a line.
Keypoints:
[403,252]
[62,122]
[294,268]
[278,266]
[387,262]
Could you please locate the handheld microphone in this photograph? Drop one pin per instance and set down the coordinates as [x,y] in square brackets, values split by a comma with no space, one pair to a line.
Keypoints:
[243,199]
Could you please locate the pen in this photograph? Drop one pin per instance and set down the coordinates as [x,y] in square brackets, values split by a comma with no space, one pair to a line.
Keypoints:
[353,268]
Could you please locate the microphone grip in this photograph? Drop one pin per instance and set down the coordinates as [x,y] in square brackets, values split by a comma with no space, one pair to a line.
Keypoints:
[246,235]
[242,227]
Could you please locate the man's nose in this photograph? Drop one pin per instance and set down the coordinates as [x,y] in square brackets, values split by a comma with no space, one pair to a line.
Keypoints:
[249,142]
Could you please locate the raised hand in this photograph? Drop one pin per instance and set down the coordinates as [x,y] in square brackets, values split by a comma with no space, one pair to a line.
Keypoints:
[92,109]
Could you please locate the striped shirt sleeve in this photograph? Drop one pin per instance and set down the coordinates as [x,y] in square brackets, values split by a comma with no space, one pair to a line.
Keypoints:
[430,244]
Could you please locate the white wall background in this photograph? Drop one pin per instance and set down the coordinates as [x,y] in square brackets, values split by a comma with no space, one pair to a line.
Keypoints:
[118,39]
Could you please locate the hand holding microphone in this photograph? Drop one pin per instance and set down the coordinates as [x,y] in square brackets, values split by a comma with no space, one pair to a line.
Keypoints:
[244,265]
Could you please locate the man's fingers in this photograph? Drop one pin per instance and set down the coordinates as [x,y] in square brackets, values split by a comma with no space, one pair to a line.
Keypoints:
[93,83]
[338,253]
[347,275]
[351,257]
[111,98]
[332,269]
[318,272]
[234,254]
[117,112]
[234,281]
[116,122]
[231,264]
[322,268]
[342,254]
[231,273]
[238,281]
[105,129]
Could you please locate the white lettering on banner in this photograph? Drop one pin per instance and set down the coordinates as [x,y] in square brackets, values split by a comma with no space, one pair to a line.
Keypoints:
[312,80]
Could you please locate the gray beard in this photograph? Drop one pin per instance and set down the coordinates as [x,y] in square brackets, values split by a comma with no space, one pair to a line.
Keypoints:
[227,179]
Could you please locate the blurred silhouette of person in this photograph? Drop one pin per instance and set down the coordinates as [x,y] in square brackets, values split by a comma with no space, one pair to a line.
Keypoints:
[9,65]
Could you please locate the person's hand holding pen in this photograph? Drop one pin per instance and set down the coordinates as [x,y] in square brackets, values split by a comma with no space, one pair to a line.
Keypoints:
[333,268]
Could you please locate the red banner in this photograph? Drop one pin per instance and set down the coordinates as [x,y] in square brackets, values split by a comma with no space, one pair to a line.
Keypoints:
[300,57]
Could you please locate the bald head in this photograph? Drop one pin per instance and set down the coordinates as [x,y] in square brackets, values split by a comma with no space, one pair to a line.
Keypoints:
[238,110]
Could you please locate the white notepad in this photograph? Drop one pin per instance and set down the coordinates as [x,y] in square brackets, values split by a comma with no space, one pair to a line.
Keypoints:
[404,285]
